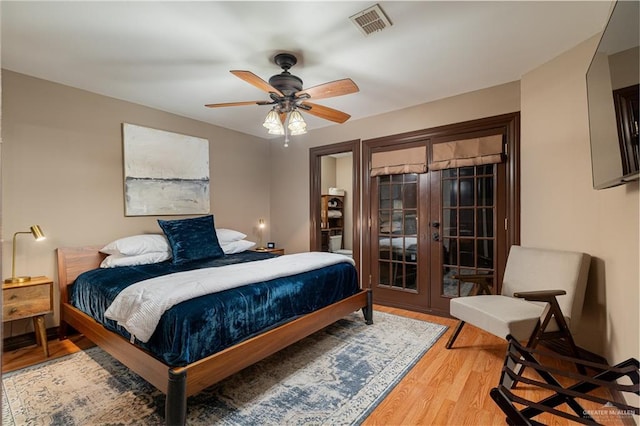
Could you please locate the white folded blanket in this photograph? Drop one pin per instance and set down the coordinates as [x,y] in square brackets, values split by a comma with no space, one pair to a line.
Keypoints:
[139,307]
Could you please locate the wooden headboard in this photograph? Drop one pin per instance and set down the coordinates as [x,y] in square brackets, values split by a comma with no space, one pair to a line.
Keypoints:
[72,261]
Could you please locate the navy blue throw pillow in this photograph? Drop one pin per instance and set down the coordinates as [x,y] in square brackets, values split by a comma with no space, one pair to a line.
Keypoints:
[192,239]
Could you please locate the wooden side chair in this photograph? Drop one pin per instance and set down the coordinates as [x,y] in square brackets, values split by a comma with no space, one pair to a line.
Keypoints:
[542,296]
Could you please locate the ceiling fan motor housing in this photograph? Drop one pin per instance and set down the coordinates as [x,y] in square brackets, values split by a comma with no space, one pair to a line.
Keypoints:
[286,82]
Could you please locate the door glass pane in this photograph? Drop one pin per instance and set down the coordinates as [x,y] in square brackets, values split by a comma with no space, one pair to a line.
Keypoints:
[467,253]
[467,193]
[411,249]
[384,222]
[450,222]
[485,191]
[449,193]
[384,249]
[485,222]
[410,197]
[412,276]
[447,173]
[486,169]
[466,171]
[468,226]
[383,273]
[396,222]
[466,287]
[411,177]
[396,268]
[450,251]
[466,222]
[397,232]
[384,197]
[485,254]
[410,222]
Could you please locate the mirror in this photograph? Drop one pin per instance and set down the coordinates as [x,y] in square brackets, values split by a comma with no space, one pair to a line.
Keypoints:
[335,199]
[612,90]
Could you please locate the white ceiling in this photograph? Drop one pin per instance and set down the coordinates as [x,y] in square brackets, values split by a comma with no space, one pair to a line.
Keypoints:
[176,56]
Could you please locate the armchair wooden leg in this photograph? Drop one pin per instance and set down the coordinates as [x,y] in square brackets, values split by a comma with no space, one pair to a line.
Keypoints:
[564,333]
[454,336]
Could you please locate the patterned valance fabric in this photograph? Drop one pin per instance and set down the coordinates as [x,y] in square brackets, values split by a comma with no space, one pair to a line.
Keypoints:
[401,161]
[467,152]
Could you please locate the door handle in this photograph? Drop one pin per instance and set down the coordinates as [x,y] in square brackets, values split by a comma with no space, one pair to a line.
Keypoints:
[435,236]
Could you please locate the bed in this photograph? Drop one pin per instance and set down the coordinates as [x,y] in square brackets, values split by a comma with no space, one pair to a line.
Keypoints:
[179,377]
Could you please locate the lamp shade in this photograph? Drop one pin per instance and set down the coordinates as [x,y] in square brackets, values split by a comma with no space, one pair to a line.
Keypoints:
[37,233]
[273,122]
[261,225]
[297,126]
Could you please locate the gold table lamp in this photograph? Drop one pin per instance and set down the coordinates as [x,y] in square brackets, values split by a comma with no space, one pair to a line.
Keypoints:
[39,236]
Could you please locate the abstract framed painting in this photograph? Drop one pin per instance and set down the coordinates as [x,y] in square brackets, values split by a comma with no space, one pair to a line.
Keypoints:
[165,173]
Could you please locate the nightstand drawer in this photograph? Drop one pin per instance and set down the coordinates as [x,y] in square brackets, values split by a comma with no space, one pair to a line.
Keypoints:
[25,302]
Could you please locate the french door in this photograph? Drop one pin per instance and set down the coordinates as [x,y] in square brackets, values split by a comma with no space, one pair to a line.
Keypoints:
[428,230]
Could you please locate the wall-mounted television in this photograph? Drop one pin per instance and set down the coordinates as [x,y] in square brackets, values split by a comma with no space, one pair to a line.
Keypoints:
[612,91]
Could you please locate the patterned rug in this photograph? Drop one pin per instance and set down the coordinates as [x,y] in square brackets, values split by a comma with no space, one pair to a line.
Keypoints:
[335,376]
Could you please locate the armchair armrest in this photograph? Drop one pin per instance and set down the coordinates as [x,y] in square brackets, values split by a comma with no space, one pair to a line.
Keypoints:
[539,296]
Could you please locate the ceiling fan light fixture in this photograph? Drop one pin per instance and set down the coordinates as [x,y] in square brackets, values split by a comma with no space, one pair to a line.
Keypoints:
[297,126]
[273,123]
[277,131]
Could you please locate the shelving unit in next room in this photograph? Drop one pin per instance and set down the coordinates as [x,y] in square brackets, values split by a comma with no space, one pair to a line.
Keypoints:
[331,219]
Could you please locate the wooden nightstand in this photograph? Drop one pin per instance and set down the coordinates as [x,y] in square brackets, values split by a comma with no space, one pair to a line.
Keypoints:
[30,299]
[278,251]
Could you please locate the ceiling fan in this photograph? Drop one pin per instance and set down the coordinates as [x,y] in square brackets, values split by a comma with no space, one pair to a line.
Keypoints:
[287,95]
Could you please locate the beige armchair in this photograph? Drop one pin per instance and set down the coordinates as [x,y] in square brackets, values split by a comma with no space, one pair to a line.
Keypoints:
[542,296]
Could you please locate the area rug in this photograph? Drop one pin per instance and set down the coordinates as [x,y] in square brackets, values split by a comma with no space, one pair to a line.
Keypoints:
[336,376]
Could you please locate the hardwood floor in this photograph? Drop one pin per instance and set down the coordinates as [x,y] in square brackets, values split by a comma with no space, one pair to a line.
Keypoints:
[446,387]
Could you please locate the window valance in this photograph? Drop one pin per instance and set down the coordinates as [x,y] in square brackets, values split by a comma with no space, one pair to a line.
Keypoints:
[467,152]
[401,161]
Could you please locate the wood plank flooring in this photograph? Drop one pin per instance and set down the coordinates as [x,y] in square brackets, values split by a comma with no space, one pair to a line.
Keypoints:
[446,387]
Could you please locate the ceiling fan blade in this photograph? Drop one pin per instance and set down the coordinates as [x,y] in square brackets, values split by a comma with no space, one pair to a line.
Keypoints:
[326,112]
[331,89]
[256,81]
[228,104]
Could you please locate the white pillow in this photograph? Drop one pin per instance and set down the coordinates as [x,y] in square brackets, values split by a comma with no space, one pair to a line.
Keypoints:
[237,246]
[229,235]
[138,244]
[115,260]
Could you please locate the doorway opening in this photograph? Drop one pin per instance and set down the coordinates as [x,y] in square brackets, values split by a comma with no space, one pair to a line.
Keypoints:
[334,196]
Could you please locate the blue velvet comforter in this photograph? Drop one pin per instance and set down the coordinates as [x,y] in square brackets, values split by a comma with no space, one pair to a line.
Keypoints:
[199,327]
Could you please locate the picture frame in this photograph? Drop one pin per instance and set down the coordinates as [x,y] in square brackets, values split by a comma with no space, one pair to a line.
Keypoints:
[271,245]
[165,173]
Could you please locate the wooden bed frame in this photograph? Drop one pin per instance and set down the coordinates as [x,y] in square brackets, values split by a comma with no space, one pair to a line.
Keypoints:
[177,383]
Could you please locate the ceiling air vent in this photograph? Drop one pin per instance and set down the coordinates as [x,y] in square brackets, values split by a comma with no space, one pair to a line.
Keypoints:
[371,20]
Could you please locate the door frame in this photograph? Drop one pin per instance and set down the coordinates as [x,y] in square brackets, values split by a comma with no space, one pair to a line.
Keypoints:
[315,190]
[507,124]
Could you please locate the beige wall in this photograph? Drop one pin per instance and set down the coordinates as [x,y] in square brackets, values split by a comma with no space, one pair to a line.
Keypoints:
[290,166]
[62,169]
[560,209]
